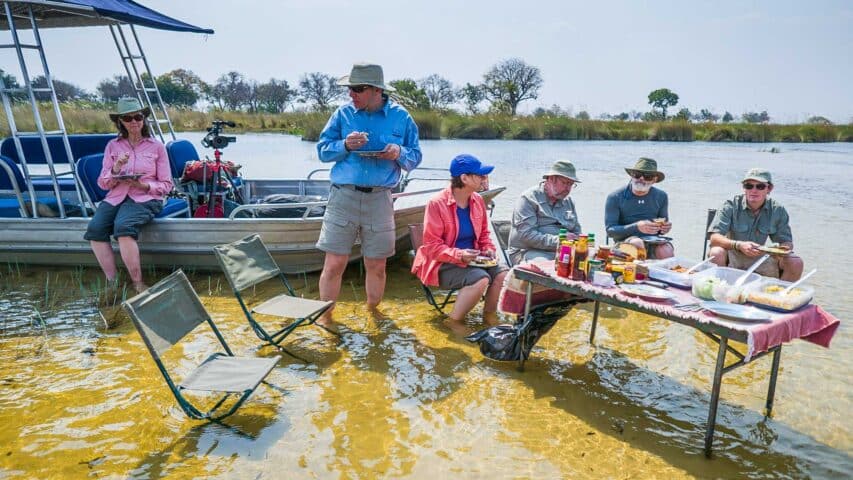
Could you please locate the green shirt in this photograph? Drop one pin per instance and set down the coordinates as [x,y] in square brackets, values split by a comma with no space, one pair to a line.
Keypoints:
[736,221]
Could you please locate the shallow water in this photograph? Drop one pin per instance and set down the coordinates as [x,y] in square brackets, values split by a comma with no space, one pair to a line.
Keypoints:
[400,397]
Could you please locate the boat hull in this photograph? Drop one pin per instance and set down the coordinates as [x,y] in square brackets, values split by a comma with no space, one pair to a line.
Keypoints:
[183,242]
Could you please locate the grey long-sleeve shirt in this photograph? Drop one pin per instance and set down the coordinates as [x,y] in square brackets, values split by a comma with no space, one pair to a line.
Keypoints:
[624,209]
[536,223]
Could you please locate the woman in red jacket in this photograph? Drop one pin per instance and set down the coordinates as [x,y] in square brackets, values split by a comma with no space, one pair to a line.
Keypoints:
[456,233]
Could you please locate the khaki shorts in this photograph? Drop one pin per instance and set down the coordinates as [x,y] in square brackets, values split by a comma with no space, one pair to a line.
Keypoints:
[453,276]
[770,267]
[350,215]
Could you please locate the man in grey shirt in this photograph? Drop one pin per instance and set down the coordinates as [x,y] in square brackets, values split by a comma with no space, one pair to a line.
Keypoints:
[540,214]
[637,213]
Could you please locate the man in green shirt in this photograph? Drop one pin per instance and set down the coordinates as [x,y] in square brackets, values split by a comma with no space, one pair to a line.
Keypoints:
[743,224]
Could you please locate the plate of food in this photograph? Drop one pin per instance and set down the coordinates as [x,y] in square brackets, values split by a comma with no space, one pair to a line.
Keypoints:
[483,261]
[655,239]
[737,312]
[369,153]
[775,250]
[646,292]
[129,176]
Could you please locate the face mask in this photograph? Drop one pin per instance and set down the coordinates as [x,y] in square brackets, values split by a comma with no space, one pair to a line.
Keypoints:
[640,186]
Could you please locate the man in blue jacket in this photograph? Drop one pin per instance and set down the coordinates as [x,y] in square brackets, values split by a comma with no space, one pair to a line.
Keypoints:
[370,141]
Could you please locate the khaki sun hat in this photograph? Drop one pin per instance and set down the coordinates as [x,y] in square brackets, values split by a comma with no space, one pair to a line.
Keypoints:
[365,74]
[758,174]
[563,168]
[646,165]
[128,105]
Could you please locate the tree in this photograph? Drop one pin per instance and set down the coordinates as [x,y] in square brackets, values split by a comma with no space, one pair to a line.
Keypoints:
[819,120]
[110,90]
[653,116]
[662,99]
[705,115]
[181,88]
[320,90]
[582,115]
[511,82]
[409,94]
[274,96]
[472,96]
[65,92]
[438,90]
[728,117]
[683,115]
[231,91]
[622,117]
[752,117]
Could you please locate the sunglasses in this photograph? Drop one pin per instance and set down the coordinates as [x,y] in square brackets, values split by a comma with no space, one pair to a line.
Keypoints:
[757,186]
[645,176]
[358,88]
[129,118]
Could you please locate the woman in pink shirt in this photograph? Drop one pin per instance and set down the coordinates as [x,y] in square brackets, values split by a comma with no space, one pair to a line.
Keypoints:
[456,232]
[137,175]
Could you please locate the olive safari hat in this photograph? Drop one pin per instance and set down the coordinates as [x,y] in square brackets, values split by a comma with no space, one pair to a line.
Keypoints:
[646,165]
[128,105]
[365,74]
[563,168]
[759,175]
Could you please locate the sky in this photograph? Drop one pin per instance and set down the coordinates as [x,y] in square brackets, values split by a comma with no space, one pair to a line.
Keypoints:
[791,58]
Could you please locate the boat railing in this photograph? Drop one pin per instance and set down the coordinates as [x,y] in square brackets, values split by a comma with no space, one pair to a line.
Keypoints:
[308,206]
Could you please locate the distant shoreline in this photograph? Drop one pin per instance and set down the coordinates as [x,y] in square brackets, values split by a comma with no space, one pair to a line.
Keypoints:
[438,125]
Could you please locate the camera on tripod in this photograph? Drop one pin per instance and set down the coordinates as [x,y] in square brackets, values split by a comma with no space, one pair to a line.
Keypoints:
[213,139]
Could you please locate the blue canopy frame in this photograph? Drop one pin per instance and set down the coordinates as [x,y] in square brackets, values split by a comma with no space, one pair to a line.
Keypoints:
[79,13]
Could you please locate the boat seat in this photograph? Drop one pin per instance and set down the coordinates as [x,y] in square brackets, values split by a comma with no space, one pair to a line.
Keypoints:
[182,151]
[13,191]
[81,145]
[88,170]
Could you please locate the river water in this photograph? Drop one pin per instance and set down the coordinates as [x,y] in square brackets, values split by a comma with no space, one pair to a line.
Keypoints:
[401,397]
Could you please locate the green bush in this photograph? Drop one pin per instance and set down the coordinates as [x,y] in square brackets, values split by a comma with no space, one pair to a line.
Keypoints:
[429,124]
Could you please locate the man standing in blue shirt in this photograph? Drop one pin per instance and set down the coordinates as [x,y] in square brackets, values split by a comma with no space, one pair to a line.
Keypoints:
[370,141]
[638,213]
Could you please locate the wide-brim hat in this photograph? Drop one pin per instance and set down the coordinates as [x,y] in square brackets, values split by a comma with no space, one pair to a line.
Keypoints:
[128,105]
[365,74]
[563,168]
[759,175]
[646,165]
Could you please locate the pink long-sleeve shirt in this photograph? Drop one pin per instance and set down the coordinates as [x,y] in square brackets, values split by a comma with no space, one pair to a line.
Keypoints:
[441,227]
[148,158]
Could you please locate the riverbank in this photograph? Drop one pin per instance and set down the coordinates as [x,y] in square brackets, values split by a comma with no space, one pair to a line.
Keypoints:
[436,125]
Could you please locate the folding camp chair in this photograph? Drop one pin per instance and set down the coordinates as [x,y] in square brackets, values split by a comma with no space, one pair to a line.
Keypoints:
[501,229]
[416,235]
[712,212]
[163,315]
[246,263]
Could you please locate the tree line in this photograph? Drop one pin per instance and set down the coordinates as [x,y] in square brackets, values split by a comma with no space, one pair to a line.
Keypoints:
[503,88]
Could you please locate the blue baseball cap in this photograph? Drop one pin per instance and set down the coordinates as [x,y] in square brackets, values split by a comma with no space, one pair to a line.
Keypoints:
[466,163]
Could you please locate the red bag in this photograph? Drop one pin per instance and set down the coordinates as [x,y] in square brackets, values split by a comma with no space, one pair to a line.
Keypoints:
[203,212]
[196,170]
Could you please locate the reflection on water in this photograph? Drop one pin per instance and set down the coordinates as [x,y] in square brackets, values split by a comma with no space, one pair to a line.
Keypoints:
[399,397]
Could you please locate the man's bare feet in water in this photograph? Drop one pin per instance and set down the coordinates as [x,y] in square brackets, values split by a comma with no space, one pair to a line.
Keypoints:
[327,323]
[491,318]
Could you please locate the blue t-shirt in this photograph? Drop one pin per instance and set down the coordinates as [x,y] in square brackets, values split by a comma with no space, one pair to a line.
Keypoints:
[466,237]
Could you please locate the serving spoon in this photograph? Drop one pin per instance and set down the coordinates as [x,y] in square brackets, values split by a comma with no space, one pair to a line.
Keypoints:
[694,267]
[801,280]
[751,269]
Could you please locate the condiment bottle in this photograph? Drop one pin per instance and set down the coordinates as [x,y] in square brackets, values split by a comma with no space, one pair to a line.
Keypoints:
[561,237]
[581,255]
[629,273]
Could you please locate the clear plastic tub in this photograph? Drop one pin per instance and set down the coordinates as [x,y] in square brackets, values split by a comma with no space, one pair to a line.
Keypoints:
[715,278]
[766,293]
[663,270]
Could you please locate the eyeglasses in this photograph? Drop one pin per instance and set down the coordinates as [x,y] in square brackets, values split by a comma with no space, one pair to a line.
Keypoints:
[645,176]
[129,118]
[757,186]
[358,88]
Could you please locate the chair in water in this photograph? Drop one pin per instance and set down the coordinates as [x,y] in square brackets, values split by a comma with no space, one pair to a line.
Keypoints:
[163,315]
[247,263]
[712,212]
[416,235]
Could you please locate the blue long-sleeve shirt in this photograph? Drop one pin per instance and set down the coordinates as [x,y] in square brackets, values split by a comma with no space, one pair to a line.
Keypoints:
[390,124]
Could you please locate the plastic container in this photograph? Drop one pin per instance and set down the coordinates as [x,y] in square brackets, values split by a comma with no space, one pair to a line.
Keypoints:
[766,293]
[663,270]
[706,282]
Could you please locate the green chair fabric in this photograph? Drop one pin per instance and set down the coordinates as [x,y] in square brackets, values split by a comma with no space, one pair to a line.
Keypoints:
[163,315]
[246,263]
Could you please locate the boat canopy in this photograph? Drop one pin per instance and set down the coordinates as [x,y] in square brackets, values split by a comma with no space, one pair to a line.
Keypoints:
[82,13]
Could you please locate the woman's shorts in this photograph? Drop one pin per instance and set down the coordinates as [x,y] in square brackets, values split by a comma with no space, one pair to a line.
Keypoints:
[122,220]
[456,277]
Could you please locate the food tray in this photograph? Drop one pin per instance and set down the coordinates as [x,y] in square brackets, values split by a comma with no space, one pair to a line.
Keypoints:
[765,294]
[703,284]
[662,270]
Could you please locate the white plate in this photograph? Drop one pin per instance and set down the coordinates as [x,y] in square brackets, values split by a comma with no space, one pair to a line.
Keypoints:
[493,263]
[737,312]
[645,291]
